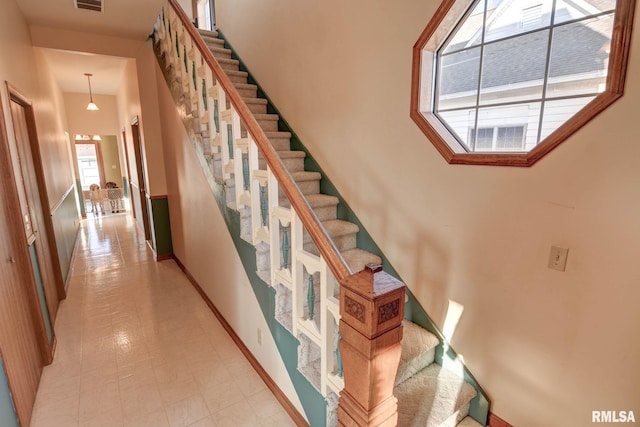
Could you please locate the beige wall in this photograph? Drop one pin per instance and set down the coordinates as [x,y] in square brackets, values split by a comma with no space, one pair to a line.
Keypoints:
[26,69]
[57,38]
[111,159]
[137,97]
[549,347]
[203,244]
[101,122]
[51,120]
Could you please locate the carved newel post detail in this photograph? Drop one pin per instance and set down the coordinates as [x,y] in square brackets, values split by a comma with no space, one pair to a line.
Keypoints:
[372,309]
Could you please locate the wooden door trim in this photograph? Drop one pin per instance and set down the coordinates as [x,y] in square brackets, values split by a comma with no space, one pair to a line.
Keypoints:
[141,174]
[17,96]
[22,260]
[123,131]
[46,347]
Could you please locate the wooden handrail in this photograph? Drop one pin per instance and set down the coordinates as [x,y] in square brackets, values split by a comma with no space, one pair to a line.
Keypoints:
[319,235]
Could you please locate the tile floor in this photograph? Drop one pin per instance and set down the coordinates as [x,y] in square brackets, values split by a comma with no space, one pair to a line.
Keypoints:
[137,346]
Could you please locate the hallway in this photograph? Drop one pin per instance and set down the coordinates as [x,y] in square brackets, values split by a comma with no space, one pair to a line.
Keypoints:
[137,346]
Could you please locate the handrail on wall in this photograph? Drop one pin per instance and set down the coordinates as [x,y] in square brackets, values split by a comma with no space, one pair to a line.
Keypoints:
[320,237]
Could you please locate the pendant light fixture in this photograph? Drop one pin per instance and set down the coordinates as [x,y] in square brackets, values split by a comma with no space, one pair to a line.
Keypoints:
[92,106]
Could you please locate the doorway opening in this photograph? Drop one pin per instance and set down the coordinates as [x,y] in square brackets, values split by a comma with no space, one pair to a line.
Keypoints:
[205,14]
[99,171]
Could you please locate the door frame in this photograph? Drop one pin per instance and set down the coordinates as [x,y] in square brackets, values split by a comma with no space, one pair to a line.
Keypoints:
[19,98]
[141,175]
[22,263]
[212,11]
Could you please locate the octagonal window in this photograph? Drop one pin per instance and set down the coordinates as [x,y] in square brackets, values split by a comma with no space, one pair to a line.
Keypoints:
[505,81]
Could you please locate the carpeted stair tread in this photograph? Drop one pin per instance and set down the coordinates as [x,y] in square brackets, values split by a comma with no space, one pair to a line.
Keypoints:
[322,200]
[431,398]
[216,46]
[211,42]
[293,160]
[228,63]
[357,258]
[268,122]
[469,422]
[206,34]
[306,176]
[323,205]
[418,350]
[315,201]
[219,51]
[288,154]
[267,117]
[278,134]
[256,105]
[260,101]
[247,86]
[341,232]
[338,227]
[237,76]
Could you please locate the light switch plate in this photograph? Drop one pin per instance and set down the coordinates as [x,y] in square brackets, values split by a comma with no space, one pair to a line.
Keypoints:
[558,258]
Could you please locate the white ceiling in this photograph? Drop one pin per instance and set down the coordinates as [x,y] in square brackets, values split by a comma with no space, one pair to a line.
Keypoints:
[130,19]
[121,18]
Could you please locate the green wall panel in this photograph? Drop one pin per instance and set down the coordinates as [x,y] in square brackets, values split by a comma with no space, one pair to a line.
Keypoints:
[35,265]
[161,226]
[312,401]
[65,228]
[8,417]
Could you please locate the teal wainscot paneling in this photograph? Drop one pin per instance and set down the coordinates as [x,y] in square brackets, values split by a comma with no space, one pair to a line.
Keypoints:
[160,225]
[8,417]
[66,226]
[35,265]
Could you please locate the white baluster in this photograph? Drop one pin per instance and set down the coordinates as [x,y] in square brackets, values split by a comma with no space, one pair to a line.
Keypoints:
[259,183]
[296,270]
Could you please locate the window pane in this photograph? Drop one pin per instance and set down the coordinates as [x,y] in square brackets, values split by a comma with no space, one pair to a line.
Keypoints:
[526,116]
[458,79]
[510,138]
[570,10]
[513,69]
[556,113]
[580,57]
[510,18]
[470,32]
[483,139]
[460,122]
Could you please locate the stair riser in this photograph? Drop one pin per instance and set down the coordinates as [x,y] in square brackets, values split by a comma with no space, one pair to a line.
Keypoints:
[343,243]
[307,187]
[268,125]
[214,42]
[281,144]
[326,213]
[292,165]
[250,92]
[221,53]
[237,78]
[258,108]
[229,66]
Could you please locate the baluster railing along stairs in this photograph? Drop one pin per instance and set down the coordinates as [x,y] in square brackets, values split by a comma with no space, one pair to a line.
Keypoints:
[302,250]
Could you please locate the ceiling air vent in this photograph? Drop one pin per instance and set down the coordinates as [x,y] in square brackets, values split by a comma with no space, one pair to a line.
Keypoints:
[95,5]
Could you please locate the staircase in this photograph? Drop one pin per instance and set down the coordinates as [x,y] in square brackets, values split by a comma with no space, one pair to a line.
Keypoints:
[428,394]
[343,233]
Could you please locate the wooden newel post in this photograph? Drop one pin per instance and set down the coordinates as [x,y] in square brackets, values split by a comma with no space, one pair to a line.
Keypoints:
[371,309]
